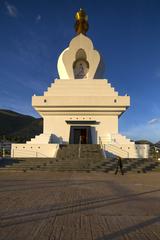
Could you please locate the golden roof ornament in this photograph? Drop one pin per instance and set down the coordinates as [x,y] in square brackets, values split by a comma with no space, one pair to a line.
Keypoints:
[81,25]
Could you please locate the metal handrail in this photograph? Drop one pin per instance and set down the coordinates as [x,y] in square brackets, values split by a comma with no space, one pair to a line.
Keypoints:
[79,148]
[30,152]
[117,148]
[102,146]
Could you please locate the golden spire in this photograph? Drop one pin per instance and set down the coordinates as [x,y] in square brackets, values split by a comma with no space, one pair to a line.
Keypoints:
[81,25]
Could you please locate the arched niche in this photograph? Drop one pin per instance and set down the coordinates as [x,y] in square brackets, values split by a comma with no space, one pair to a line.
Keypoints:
[80,65]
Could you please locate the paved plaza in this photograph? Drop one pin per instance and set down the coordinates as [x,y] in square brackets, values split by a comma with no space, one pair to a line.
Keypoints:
[79,206]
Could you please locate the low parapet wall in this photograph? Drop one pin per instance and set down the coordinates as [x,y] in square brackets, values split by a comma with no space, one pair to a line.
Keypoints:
[34,150]
[142,150]
[128,151]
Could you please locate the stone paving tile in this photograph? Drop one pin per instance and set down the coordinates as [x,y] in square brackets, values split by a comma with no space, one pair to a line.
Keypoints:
[79,206]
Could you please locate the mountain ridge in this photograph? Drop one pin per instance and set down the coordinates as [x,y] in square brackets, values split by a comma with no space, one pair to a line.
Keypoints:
[18,127]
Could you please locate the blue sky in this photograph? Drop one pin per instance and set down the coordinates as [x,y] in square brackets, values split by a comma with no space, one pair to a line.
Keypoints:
[126,33]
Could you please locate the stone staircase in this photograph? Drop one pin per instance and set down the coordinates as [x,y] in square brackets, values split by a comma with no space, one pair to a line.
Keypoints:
[84,151]
[69,158]
[129,165]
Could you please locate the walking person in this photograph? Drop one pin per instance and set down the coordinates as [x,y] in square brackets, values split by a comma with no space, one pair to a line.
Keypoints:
[119,166]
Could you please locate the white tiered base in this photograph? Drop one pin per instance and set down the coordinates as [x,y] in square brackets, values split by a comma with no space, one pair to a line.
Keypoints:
[115,144]
[121,146]
[43,138]
[40,146]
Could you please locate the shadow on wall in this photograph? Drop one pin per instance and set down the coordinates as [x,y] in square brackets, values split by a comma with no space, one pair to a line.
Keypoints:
[56,139]
[93,135]
[100,73]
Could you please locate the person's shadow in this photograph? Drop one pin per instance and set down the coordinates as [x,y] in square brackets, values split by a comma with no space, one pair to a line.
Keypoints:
[131,229]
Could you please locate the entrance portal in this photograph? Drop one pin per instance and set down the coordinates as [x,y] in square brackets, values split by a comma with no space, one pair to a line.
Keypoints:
[80,134]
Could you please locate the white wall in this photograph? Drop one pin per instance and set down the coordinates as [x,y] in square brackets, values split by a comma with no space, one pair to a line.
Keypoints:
[128,150]
[57,126]
[34,150]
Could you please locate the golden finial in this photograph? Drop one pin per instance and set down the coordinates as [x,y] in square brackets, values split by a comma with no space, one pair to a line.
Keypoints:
[81,25]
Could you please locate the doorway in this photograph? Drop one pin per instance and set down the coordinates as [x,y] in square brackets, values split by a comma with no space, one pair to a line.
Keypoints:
[78,134]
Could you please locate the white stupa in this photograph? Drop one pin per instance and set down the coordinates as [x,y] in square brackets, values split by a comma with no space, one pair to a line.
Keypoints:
[80,106]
